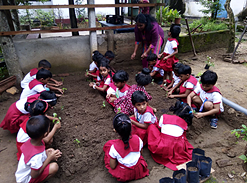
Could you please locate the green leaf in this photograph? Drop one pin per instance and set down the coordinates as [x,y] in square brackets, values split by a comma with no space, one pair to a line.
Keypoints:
[243,157]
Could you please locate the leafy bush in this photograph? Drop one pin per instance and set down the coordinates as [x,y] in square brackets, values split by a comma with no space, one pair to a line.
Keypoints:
[207,25]
[168,15]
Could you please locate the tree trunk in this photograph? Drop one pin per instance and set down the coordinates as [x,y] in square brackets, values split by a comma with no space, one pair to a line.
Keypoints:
[152,10]
[8,50]
[15,16]
[73,20]
[231,44]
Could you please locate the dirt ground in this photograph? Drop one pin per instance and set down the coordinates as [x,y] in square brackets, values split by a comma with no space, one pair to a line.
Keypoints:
[84,118]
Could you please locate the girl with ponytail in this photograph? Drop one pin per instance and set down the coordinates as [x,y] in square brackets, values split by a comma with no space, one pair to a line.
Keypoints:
[37,107]
[123,157]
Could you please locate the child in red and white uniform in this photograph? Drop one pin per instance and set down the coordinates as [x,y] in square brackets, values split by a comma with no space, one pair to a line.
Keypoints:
[109,55]
[207,98]
[143,115]
[175,77]
[94,66]
[38,85]
[32,74]
[35,162]
[104,77]
[17,112]
[187,84]
[118,88]
[153,64]
[167,141]
[123,157]
[170,50]
[38,107]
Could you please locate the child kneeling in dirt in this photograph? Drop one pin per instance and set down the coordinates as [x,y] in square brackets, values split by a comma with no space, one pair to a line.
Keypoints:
[207,98]
[123,157]
[143,115]
[167,141]
[118,88]
[35,162]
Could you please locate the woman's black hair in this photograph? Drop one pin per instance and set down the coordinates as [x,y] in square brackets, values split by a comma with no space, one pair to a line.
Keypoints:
[103,63]
[37,126]
[138,97]
[145,19]
[37,107]
[209,77]
[49,96]
[152,57]
[175,30]
[120,76]
[182,110]
[184,69]
[43,73]
[122,125]
[144,77]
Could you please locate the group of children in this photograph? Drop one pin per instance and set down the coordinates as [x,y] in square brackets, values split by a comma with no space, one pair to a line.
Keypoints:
[35,130]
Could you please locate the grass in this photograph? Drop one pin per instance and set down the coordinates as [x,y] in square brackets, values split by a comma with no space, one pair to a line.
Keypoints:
[211,180]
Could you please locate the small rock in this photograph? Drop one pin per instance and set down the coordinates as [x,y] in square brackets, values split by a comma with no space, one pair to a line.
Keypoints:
[227,59]
[231,154]
[13,90]
[243,174]
[63,75]
[231,111]
[235,61]
[223,163]
[230,175]
[241,61]
[194,58]
[224,150]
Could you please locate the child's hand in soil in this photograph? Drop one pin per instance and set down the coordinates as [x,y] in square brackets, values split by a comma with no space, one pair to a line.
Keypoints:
[198,115]
[86,74]
[91,84]
[108,96]
[58,95]
[52,154]
[58,123]
[60,90]
[58,83]
[171,96]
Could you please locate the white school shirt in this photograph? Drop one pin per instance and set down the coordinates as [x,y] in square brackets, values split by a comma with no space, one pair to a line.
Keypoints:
[107,80]
[161,71]
[22,136]
[113,92]
[23,173]
[93,66]
[20,105]
[130,160]
[27,79]
[147,117]
[189,85]
[176,79]
[170,46]
[35,90]
[172,130]
[214,97]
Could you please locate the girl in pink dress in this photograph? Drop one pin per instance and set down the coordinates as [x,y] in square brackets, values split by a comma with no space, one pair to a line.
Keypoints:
[123,157]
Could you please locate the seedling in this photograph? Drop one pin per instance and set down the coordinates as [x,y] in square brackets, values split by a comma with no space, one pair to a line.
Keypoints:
[103,105]
[199,74]
[166,94]
[118,110]
[152,82]
[77,142]
[62,107]
[64,89]
[87,71]
[54,120]
[62,79]
[208,61]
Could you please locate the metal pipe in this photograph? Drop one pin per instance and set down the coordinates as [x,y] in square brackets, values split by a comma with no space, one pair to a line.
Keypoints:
[234,106]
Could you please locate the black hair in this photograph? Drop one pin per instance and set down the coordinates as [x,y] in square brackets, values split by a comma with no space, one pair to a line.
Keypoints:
[43,73]
[145,19]
[209,77]
[144,77]
[96,52]
[44,63]
[49,97]
[109,54]
[120,76]
[182,110]
[175,30]
[122,125]
[184,69]
[37,107]
[37,126]
[138,96]
[103,63]
[152,57]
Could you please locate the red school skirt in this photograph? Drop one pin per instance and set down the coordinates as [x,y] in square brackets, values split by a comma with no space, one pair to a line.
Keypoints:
[123,173]
[142,133]
[13,119]
[168,150]
[166,65]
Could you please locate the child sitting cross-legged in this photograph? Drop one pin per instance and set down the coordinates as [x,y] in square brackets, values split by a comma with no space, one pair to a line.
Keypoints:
[123,157]
[118,88]
[143,115]
[35,164]
[187,84]
[207,98]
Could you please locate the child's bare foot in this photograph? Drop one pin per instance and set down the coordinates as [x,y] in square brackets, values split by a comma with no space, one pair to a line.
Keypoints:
[155,110]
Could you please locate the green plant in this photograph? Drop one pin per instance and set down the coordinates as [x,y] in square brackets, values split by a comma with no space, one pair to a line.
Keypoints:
[103,105]
[77,142]
[62,79]
[55,116]
[168,15]
[62,107]
[45,18]
[199,74]
[152,82]
[64,89]
[208,61]
[118,110]
[213,7]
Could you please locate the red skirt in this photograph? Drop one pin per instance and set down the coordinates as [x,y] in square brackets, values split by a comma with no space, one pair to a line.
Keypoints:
[166,65]
[13,119]
[123,173]
[142,133]
[168,150]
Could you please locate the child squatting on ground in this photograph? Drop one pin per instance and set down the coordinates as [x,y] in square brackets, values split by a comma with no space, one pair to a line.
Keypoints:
[207,98]
[118,88]
[123,157]
[32,74]
[35,164]
[143,115]
[170,50]
[153,65]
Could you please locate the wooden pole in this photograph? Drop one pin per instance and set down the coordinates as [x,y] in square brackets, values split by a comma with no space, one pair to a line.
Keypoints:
[72,17]
[9,17]
[191,40]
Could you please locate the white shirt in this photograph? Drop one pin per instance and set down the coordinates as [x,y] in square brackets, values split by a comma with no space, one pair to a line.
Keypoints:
[170,46]
[189,85]
[172,130]
[36,89]
[161,71]
[130,160]
[113,92]
[214,97]
[22,136]
[20,105]
[93,66]
[107,81]
[23,172]
[27,80]
[147,117]
[176,79]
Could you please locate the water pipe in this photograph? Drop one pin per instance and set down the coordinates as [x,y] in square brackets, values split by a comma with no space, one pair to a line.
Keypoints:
[234,106]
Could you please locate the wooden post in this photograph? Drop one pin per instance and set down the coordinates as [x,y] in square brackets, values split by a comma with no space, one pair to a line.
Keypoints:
[8,49]
[131,16]
[117,8]
[73,20]
[239,41]
[191,40]
[8,16]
